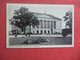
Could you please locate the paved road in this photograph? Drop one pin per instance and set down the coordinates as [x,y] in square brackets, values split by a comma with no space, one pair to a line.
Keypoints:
[44,35]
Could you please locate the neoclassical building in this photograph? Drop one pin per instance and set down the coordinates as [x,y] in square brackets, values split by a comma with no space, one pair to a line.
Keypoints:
[48,24]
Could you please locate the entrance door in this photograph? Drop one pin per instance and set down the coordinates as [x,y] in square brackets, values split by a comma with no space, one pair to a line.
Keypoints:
[41,31]
[37,31]
[48,32]
[45,31]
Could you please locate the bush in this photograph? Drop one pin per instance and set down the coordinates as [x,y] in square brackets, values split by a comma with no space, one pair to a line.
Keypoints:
[65,32]
[36,41]
[43,40]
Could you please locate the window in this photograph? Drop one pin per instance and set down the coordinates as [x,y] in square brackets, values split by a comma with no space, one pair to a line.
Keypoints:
[54,24]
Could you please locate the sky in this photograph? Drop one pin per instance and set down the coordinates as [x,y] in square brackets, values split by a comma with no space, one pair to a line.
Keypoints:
[55,10]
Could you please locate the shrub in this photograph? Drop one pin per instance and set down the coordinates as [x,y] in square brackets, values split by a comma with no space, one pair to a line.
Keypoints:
[64,32]
[36,41]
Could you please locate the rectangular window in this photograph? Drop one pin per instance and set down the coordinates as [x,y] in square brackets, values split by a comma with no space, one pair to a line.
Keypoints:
[54,24]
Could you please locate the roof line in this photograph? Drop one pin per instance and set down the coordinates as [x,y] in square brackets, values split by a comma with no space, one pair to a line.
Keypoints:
[48,15]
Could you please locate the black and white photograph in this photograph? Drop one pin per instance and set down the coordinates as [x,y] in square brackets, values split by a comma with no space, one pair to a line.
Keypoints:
[39,25]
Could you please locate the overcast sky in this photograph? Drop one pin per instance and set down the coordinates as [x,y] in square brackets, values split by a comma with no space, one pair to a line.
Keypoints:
[55,10]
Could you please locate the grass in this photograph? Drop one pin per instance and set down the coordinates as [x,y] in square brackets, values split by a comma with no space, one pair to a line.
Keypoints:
[52,40]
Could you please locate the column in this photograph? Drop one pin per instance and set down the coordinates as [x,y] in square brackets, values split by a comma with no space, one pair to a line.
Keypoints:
[49,24]
[39,23]
[52,26]
[46,24]
[43,25]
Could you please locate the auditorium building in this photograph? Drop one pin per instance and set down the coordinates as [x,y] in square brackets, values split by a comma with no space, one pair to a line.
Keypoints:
[48,24]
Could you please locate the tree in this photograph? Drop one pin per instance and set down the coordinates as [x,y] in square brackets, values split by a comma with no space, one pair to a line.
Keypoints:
[68,19]
[23,18]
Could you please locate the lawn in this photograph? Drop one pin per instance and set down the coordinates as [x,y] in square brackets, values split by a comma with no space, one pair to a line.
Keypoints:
[52,41]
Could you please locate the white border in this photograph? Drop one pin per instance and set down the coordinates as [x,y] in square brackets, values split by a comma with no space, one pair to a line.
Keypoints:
[37,46]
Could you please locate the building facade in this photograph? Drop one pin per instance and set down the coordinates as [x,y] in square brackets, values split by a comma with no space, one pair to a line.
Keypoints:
[48,24]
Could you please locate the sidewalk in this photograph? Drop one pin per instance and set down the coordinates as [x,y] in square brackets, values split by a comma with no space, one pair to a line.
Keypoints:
[43,35]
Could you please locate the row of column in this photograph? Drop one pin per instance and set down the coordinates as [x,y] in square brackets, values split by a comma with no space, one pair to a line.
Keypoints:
[45,24]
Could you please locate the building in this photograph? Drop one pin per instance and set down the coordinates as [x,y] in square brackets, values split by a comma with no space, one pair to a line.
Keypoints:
[48,24]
